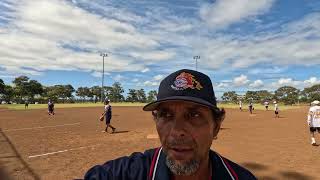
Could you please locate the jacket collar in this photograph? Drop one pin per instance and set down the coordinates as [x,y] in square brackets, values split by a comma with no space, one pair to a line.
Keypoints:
[220,167]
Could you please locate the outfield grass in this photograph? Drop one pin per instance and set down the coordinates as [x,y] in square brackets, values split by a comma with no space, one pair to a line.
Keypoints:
[257,106]
[44,106]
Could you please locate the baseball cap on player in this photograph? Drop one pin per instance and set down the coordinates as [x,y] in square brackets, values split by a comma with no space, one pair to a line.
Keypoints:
[185,85]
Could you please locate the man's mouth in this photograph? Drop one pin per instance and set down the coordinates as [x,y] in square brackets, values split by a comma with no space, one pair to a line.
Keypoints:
[180,153]
[181,149]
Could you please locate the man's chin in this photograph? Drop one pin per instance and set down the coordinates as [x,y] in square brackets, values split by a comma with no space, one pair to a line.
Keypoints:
[182,166]
[180,162]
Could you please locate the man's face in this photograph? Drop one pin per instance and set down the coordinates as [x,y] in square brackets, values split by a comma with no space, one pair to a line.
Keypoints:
[186,131]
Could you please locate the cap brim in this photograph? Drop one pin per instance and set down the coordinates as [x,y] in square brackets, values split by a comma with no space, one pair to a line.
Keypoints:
[153,105]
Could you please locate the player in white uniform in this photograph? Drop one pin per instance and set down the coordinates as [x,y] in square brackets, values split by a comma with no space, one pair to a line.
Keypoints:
[314,120]
[240,105]
[266,105]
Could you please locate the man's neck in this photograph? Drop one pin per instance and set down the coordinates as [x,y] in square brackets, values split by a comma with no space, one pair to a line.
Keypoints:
[204,172]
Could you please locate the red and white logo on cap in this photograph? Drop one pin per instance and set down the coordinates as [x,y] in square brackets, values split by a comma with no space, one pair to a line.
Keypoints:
[185,81]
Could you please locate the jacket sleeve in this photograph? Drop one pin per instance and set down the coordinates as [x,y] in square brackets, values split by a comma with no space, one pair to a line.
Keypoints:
[135,166]
[242,173]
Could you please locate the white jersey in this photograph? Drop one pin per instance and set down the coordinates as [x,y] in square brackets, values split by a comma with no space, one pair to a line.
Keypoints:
[276,108]
[240,104]
[314,116]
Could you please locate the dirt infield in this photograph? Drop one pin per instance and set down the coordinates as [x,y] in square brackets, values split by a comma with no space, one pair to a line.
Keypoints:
[37,146]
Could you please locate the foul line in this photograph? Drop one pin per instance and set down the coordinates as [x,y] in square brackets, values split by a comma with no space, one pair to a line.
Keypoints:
[40,127]
[61,151]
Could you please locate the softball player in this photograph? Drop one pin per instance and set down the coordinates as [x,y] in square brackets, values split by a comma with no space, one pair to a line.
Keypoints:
[108,115]
[251,108]
[26,104]
[314,120]
[240,105]
[276,109]
[266,105]
[50,107]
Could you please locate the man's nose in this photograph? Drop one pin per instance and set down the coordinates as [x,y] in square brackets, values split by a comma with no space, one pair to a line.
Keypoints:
[178,126]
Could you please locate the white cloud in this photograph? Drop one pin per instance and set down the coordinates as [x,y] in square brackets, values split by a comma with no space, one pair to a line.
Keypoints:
[145,70]
[270,85]
[311,81]
[256,84]
[272,70]
[226,81]
[151,83]
[47,39]
[287,82]
[296,43]
[99,74]
[152,55]
[241,80]
[118,78]
[300,84]
[135,80]
[223,13]
[223,85]
[154,82]
[158,77]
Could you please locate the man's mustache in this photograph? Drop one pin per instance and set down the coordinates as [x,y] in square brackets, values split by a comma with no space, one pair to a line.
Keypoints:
[181,142]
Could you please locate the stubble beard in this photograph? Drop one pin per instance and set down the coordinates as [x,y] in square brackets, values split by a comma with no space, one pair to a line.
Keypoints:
[185,169]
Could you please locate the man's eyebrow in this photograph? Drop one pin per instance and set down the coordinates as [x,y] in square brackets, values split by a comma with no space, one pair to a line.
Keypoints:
[194,108]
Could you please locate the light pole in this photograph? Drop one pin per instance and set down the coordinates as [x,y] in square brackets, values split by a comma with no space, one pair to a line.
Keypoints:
[196,58]
[102,89]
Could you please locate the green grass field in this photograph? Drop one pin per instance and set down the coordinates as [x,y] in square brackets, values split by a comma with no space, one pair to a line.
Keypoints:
[257,106]
[43,106]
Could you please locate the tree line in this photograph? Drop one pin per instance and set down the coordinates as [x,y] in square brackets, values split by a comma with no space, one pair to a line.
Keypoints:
[287,94]
[23,89]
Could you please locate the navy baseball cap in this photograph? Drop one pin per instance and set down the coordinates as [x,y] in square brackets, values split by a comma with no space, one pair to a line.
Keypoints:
[185,85]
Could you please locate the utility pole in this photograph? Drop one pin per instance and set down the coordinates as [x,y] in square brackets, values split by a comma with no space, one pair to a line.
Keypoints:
[102,89]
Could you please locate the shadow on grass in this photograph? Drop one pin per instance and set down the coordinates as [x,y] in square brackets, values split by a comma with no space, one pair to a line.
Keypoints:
[280,117]
[17,155]
[255,166]
[295,176]
[116,132]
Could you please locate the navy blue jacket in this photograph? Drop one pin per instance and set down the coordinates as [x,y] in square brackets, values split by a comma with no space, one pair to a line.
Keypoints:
[151,165]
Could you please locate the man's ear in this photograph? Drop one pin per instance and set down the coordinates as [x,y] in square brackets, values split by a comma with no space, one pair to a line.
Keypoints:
[216,129]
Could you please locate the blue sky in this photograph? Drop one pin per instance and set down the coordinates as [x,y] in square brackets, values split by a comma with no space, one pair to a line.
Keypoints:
[243,45]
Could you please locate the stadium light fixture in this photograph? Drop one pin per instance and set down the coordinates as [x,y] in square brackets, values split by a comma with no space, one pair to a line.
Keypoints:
[102,89]
[196,58]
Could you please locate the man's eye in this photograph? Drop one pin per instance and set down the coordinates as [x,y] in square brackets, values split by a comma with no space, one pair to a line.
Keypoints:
[164,115]
[194,114]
